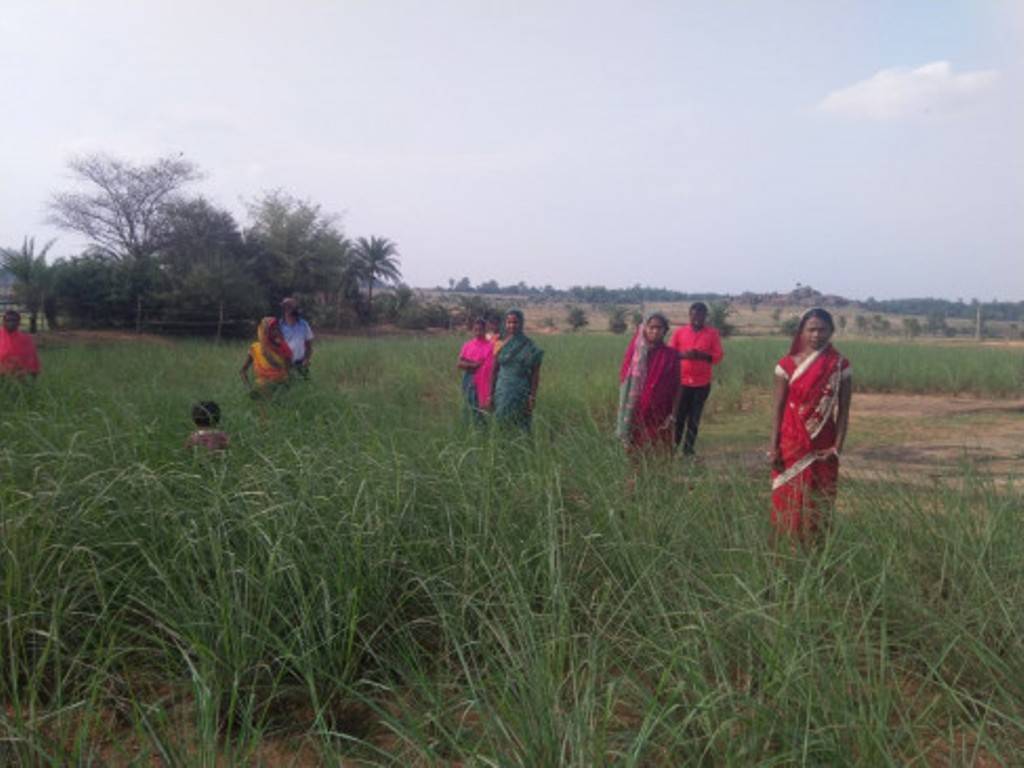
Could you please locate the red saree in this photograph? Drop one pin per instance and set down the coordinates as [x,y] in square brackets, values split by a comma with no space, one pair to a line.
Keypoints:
[654,389]
[17,354]
[807,441]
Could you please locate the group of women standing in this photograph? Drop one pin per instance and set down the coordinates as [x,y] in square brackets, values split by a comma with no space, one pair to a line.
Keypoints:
[811,404]
[501,372]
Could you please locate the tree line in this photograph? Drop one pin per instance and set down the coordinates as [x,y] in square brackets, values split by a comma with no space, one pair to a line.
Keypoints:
[158,257]
[585,294]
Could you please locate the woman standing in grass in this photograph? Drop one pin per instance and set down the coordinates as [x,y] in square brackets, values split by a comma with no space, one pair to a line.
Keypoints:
[649,389]
[476,359]
[516,375]
[269,357]
[18,357]
[811,414]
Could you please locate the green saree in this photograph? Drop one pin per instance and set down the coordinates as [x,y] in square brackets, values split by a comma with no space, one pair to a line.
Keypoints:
[517,360]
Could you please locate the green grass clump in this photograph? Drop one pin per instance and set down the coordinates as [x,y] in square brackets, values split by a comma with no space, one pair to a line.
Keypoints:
[363,577]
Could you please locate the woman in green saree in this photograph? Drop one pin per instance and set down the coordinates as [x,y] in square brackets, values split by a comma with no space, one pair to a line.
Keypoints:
[516,375]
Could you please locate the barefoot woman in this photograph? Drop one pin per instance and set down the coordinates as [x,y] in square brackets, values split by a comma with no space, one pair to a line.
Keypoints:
[812,410]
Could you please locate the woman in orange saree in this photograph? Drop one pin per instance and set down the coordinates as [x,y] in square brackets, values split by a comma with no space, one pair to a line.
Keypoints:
[812,411]
[269,357]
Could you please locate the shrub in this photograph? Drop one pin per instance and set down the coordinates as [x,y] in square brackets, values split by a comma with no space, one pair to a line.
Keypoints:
[617,320]
[576,318]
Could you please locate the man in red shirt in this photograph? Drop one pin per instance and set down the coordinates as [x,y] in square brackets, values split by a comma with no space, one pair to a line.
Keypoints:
[699,348]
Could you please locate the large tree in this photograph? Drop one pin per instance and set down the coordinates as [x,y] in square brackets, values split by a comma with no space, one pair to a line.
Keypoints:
[297,249]
[376,260]
[122,205]
[122,208]
[204,263]
[32,276]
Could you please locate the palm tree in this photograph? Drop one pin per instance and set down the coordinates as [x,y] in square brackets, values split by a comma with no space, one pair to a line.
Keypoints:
[31,274]
[376,259]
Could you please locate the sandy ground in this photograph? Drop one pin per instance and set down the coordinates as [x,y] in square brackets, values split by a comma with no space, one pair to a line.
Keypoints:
[931,436]
[918,439]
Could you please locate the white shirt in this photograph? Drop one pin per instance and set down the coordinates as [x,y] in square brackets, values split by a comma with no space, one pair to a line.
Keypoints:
[296,335]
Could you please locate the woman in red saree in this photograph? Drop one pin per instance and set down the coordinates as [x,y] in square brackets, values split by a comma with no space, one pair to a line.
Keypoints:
[649,388]
[18,355]
[812,410]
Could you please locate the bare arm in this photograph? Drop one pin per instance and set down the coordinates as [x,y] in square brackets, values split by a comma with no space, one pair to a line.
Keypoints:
[778,407]
[677,398]
[494,382]
[534,383]
[309,352]
[245,370]
[843,418]
[468,365]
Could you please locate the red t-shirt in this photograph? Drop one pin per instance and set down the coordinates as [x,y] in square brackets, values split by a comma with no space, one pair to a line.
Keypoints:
[697,373]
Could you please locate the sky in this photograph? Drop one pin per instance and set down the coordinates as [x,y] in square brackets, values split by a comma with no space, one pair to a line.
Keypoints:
[863,148]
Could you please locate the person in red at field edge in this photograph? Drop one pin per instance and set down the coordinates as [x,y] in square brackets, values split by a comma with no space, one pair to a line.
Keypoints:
[699,348]
[18,356]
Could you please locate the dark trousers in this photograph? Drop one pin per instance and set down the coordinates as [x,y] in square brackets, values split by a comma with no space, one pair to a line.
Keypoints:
[691,406]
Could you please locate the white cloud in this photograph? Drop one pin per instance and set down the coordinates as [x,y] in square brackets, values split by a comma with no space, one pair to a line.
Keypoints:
[895,93]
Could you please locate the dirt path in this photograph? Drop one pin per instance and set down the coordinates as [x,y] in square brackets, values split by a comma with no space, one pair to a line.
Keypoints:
[919,438]
[931,436]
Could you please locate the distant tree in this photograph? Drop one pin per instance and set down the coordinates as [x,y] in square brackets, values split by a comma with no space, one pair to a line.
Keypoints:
[862,323]
[122,209]
[576,317]
[935,322]
[617,319]
[295,249]
[789,325]
[376,261]
[205,266]
[718,317]
[474,306]
[880,325]
[32,277]
[491,286]
[841,320]
[911,327]
[464,285]
[777,314]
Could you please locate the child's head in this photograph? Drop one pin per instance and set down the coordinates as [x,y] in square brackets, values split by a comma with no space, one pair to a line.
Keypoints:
[206,413]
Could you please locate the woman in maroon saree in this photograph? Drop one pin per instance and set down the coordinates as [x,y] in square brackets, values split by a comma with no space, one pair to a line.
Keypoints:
[649,388]
[812,410]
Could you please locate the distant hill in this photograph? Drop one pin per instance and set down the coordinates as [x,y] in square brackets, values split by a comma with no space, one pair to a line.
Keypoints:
[801,296]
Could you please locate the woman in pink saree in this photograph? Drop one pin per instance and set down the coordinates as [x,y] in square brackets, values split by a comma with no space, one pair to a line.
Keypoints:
[476,361]
[811,414]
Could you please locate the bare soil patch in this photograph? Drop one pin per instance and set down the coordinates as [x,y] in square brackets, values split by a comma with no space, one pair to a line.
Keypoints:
[54,339]
[915,438]
[930,436]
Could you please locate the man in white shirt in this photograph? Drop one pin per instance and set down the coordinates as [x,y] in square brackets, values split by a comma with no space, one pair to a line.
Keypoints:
[297,334]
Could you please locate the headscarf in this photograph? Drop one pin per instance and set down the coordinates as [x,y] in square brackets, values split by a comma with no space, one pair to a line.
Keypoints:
[17,353]
[819,312]
[517,348]
[270,357]
[276,351]
[632,386]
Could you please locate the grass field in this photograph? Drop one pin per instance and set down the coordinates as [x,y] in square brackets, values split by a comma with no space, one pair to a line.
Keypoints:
[362,579]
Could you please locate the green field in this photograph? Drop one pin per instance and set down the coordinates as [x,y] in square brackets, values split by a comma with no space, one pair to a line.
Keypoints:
[363,578]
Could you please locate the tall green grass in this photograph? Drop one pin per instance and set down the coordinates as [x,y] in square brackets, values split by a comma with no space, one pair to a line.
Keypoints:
[366,578]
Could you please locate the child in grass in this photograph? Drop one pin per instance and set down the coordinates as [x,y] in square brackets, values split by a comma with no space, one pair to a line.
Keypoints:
[206,417]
